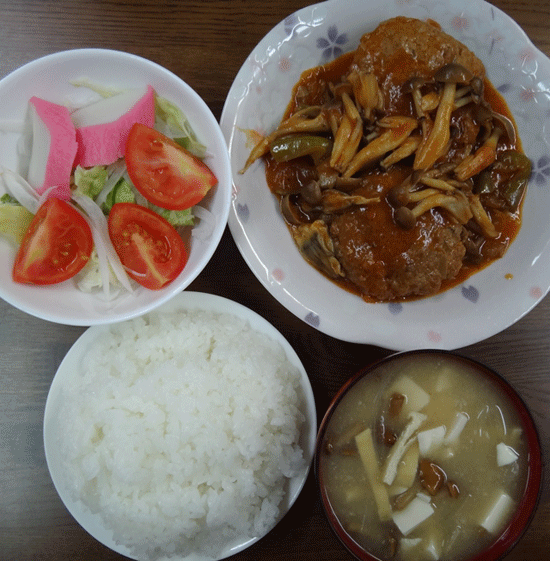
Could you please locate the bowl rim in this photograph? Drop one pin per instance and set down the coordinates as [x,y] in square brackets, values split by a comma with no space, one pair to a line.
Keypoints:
[530,499]
[186,301]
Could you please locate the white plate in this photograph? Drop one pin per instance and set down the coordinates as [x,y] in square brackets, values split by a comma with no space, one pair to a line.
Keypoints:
[186,301]
[484,304]
[49,77]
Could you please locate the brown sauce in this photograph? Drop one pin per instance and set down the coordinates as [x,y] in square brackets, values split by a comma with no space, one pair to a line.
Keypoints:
[390,241]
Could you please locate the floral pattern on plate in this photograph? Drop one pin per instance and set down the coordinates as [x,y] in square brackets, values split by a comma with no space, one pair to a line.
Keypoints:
[500,294]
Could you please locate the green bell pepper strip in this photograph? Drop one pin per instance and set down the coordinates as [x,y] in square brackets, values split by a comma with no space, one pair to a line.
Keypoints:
[518,167]
[289,147]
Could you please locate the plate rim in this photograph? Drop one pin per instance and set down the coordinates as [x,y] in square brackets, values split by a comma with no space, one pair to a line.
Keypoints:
[284,295]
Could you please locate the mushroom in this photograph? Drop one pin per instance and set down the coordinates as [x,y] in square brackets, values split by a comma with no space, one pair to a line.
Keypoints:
[422,103]
[309,119]
[315,244]
[436,183]
[291,211]
[326,175]
[483,157]
[334,111]
[334,201]
[409,147]
[481,217]
[486,116]
[453,73]
[461,93]
[434,145]
[430,101]
[436,142]
[399,195]
[348,136]
[414,87]
[329,178]
[432,476]
[457,205]
[366,92]
[302,121]
[311,192]
[475,90]
[478,88]
[404,193]
[440,170]
[340,89]
[348,184]
[397,131]
[400,501]
[439,191]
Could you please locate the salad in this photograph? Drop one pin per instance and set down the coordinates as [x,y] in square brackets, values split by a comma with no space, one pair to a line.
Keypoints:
[105,193]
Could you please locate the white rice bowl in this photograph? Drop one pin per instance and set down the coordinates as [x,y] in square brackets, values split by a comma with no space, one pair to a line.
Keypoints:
[181,430]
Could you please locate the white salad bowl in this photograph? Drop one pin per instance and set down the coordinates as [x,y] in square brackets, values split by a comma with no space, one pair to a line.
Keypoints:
[51,78]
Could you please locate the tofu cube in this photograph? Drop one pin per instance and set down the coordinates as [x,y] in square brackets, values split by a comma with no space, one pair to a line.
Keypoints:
[497,513]
[416,397]
[431,439]
[406,544]
[416,512]
[505,454]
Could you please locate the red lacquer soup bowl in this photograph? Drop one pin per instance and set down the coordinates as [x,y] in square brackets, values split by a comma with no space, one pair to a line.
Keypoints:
[428,455]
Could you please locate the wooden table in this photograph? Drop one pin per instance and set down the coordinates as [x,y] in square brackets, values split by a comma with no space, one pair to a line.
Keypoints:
[205,42]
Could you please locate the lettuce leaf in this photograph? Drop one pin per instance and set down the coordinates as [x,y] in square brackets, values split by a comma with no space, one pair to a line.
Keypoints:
[177,126]
[175,217]
[14,220]
[122,192]
[89,181]
[90,278]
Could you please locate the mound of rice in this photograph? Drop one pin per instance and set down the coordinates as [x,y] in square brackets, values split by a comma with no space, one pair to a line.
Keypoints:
[181,431]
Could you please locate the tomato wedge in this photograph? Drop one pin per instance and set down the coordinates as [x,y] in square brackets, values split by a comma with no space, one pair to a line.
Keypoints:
[164,172]
[149,247]
[56,245]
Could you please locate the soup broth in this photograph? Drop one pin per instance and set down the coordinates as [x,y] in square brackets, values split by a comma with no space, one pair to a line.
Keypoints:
[424,459]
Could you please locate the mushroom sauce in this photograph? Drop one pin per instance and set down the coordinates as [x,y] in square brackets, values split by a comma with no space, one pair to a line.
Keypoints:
[423,460]
[397,166]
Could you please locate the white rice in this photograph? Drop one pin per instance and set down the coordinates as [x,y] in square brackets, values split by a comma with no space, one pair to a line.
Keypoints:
[181,431]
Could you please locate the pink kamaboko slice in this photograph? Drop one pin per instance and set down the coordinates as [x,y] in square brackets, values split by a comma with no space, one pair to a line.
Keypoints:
[54,148]
[102,127]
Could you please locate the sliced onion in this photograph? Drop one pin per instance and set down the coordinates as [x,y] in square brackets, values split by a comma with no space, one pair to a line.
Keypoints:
[116,171]
[207,226]
[19,189]
[163,128]
[99,222]
[94,86]
[101,251]
[102,258]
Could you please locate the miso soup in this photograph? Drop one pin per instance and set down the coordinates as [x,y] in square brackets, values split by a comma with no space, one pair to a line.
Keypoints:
[424,459]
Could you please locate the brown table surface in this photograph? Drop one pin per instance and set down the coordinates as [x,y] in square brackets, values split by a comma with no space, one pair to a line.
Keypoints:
[205,43]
